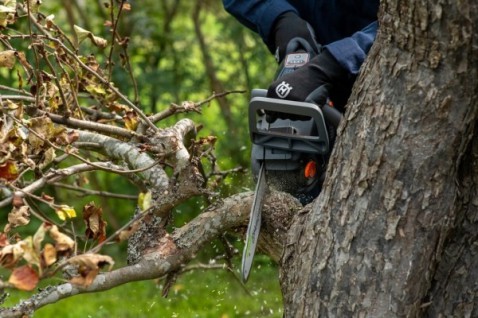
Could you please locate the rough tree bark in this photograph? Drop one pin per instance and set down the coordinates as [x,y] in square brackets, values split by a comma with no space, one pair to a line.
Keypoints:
[394,232]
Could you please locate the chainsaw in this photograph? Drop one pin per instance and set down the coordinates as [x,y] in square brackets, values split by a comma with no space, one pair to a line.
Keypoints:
[289,153]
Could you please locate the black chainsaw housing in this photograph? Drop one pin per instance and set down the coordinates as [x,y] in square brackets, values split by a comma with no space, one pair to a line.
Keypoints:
[286,146]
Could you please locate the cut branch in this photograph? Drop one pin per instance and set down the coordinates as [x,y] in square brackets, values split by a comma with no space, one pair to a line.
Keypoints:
[175,250]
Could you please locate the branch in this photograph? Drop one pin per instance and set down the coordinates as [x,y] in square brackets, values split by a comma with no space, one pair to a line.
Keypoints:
[129,153]
[56,175]
[73,122]
[175,250]
[93,126]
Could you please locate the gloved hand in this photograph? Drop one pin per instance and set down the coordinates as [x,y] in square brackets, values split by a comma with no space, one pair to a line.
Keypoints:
[287,27]
[310,83]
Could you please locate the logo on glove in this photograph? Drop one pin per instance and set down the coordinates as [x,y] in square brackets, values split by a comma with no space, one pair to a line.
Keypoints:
[283,89]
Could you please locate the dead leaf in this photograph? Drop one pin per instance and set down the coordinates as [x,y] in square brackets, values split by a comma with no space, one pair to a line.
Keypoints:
[49,254]
[49,21]
[24,278]
[7,12]
[95,225]
[7,59]
[3,240]
[9,171]
[86,277]
[83,34]
[43,127]
[125,234]
[89,266]
[126,6]
[131,120]
[11,254]
[63,242]
[19,216]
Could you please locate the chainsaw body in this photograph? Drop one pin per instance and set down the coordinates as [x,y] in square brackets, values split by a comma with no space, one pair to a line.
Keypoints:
[294,152]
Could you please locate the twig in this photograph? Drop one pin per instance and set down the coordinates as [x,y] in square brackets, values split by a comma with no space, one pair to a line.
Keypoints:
[19,97]
[113,37]
[19,91]
[95,192]
[189,106]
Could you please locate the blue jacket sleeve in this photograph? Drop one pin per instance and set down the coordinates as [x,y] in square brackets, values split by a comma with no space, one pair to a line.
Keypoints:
[351,51]
[258,15]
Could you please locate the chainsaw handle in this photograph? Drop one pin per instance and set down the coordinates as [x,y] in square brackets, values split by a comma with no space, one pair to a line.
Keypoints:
[331,114]
[294,141]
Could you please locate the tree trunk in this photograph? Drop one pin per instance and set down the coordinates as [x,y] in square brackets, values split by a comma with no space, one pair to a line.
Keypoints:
[393,233]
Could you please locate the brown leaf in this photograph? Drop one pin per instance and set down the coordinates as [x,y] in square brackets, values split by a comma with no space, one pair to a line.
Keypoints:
[3,240]
[83,34]
[95,225]
[24,278]
[49,254]
[11,254]
[91,260]
[19,216]
[43,127]
[62,139]
[63,242]
[8,171]
[7,59]
[131,120]
[86,277]
[88,267]
[125,234]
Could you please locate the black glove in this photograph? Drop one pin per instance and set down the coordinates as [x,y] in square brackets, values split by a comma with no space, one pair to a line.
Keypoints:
[310,83]
[289,26]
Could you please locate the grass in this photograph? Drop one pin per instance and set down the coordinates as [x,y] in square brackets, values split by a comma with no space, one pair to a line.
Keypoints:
[202,293]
